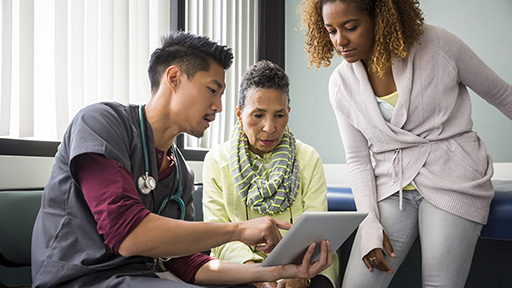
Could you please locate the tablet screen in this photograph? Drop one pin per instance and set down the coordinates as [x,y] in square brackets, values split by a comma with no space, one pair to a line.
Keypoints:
[335,226]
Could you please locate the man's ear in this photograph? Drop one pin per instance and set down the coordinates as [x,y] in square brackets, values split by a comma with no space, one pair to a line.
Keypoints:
[172,75]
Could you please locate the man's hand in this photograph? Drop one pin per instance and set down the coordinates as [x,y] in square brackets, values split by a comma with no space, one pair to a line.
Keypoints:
[376,257]
[262,232]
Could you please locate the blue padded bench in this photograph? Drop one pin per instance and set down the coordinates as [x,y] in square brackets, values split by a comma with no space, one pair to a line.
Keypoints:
[499,225]
[490,267]
[340,199]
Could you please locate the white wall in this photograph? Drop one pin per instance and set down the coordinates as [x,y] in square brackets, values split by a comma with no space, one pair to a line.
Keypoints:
[33,172]
[24,172]
[21,172]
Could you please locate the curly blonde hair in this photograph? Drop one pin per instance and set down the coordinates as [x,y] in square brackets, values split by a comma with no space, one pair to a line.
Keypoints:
[398,25]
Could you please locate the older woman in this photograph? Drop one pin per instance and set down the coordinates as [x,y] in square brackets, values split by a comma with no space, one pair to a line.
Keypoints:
[264,170]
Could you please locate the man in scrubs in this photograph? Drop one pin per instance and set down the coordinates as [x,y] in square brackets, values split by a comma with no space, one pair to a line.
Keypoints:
[112,210]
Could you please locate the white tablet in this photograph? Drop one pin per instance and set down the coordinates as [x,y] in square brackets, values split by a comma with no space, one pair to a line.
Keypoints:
[314,227]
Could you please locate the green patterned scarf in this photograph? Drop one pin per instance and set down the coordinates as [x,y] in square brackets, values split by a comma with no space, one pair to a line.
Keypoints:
[265,196]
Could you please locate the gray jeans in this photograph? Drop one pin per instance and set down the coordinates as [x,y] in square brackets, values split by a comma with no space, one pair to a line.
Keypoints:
[447,244]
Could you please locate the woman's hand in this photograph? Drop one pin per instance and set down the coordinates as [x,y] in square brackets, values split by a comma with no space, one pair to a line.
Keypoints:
[308,270]
[272,284]
[292,283]
[283,283]
[376,257]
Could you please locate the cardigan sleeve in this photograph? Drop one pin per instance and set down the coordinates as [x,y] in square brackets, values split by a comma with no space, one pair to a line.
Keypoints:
[361,175]
[476,75]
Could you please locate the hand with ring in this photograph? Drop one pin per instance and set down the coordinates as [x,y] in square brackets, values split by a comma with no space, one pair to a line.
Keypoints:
[376,257]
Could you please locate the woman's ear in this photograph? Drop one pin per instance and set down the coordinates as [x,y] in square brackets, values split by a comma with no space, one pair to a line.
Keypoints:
[239,115]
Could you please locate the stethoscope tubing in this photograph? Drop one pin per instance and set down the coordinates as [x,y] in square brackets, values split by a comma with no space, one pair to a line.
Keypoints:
[176,196]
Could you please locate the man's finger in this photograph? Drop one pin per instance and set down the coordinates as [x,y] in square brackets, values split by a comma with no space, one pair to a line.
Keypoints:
[283,224]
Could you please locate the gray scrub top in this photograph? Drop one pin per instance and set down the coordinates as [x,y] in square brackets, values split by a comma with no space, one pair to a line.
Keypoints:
[67,250]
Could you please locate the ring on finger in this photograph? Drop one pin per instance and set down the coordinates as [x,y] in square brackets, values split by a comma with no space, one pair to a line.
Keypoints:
[372,259]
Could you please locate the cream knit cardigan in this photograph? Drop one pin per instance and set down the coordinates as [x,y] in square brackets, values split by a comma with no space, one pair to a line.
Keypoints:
[429,140]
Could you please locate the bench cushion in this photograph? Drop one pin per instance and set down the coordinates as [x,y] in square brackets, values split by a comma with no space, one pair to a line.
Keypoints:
[18,212]
[499,225]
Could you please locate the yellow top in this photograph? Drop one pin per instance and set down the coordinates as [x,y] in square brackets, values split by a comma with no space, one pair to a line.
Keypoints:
[392,99]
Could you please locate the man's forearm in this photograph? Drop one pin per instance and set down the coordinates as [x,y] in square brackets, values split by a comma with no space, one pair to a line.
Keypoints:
[219,272]
[158,236]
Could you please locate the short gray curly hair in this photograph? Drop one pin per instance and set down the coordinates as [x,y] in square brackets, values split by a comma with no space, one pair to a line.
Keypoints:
[265,75]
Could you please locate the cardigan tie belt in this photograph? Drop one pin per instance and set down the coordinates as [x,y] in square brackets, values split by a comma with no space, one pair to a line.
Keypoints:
[396,162]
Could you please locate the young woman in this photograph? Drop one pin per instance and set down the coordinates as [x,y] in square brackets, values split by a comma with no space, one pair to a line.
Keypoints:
[263,170]
[403,109]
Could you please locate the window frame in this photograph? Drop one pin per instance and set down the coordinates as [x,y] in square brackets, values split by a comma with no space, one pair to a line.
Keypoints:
[22,147]
[271,46]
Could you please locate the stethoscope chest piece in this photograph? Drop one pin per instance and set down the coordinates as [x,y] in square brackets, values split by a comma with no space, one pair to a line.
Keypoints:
[146,184]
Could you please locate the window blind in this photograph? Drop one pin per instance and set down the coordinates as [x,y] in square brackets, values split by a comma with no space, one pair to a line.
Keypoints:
[231,23]
[58,56]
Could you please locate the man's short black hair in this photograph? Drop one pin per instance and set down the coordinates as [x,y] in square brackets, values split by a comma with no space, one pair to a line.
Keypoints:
[191,53]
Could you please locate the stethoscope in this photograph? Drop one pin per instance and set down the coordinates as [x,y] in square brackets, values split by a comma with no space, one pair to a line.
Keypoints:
[147,183]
